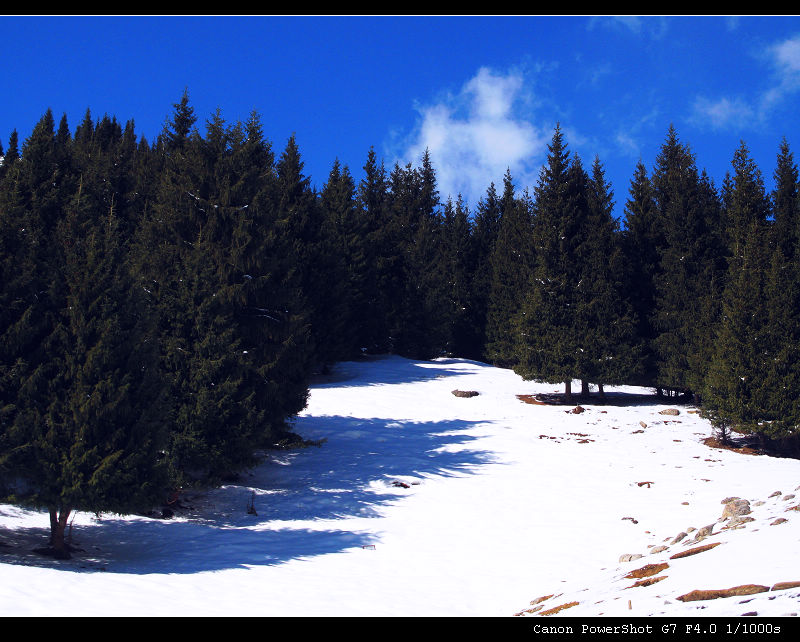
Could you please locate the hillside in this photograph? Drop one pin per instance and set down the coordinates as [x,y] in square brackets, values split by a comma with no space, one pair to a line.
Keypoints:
[418,502]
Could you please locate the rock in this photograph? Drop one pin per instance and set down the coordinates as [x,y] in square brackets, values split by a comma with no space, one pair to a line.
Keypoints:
[727,500]
[776,493]
[705,531]
[629,557]
[465,393]
[658,549]
[739,520]
[735,508]
[780,520]
[786,498]
[670,411]
[577,410]
[678,538]
[642,424]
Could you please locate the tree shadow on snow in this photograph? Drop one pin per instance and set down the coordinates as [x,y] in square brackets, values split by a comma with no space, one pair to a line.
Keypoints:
[392,370]
[300,497]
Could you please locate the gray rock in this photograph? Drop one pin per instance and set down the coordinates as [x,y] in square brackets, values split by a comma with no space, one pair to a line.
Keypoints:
[735,508]
[678,538]
[658,549]
[629,557]
[670,411]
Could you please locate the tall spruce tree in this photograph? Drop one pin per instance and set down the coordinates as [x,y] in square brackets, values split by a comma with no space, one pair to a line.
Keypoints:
[484,234]
[510,264]
[548,346]
[736,391]
[382,258]
[689,276]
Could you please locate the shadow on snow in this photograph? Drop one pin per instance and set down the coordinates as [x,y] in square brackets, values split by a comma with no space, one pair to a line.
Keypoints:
[299,497]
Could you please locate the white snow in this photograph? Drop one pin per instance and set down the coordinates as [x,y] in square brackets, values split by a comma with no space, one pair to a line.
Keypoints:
[505,502]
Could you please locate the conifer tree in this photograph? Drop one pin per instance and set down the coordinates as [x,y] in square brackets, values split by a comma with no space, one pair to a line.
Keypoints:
[484,235]
[511,260]
[345,264]
[642,241]
[736,386]
[463,338]
[382,256]
[690,268]
[547,339]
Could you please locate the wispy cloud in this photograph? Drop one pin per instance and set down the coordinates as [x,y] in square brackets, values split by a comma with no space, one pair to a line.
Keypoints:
[476,134]
[722,113]
[650,26]
[783,59]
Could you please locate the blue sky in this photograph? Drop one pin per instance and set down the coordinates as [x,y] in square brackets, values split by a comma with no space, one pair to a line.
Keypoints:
[482,93]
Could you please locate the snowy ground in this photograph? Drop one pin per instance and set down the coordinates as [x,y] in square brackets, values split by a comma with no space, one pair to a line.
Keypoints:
[505,502]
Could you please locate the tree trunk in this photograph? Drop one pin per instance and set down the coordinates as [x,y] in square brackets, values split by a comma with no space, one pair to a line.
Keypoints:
[58,527]
[584,389]
[568,390]
[600,391]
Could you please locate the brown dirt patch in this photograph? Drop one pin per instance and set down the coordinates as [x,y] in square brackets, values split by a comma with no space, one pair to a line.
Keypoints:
[648,581]
[647,571]
[694,551]
[714,442]
[533,400]
[561,607]
[542,599]
[782,586]
[713,594]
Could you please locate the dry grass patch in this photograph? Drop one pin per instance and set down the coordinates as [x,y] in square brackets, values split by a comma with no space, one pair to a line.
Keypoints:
[694,551]
[647,571]
[713,594]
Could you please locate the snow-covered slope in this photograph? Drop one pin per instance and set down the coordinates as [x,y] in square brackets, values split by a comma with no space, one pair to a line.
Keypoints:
[419,502]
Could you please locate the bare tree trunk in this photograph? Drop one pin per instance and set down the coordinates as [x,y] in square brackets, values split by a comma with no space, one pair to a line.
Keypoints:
[58,527]
[600,391]
[584,389]
[568,390]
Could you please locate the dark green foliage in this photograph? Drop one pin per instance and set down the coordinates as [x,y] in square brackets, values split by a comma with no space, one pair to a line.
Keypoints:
[510,267]
[463,336]
[689,277]
[733,383]
[548,346]
[484,235]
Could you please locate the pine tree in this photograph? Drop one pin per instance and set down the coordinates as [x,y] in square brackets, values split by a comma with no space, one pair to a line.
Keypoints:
[610,327]
[642,241]
[484,235]
[548,346]
[510,263]
[381,255]
[343,233]
[689,277]
[735,391]
[463,338]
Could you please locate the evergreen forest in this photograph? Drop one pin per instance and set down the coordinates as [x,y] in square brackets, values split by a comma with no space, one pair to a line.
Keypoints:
[164,305]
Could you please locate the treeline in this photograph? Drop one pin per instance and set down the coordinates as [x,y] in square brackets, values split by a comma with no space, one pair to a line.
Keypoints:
[164,306]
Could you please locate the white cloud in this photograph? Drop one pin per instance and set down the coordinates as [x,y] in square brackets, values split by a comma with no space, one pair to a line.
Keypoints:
[738,112]
[475,135]
[785,59]
[723,113]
